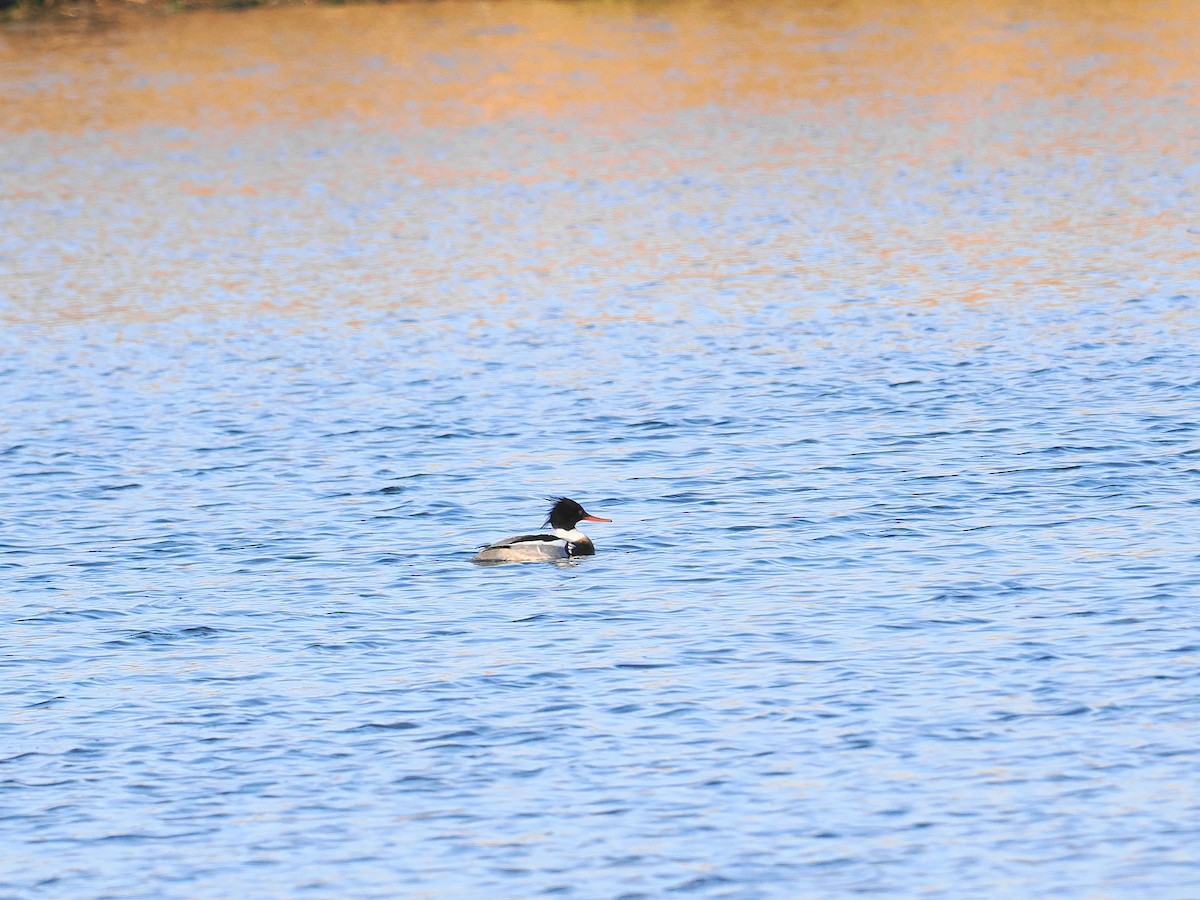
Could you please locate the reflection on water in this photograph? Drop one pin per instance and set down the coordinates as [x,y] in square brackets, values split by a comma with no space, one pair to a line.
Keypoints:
[680,144]
[462,64]
[871,325]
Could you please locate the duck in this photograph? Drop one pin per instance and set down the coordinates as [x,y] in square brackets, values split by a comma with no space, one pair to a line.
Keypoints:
[566,542]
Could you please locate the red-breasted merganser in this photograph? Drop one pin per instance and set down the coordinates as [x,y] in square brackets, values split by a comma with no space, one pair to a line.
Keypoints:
[567,540]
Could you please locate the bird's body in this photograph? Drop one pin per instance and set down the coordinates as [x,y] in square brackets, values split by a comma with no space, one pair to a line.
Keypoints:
[565,542]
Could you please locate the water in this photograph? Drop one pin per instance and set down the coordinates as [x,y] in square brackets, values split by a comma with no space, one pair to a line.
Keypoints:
[883,360]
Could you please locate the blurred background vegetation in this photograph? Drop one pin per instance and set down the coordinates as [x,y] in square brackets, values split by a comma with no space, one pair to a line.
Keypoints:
[30,10]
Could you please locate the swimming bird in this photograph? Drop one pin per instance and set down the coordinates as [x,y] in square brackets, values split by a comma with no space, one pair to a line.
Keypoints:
[567,540]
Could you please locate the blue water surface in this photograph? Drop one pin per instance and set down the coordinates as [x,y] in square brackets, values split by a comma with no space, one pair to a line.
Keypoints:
[901,452]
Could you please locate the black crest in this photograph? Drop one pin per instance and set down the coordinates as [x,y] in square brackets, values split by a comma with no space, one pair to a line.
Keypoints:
[565,513]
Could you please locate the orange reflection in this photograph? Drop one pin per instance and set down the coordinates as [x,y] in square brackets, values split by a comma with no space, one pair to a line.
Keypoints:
[880,88]
[598,65]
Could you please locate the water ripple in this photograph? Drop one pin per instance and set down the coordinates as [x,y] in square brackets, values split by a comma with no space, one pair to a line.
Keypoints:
[886,378]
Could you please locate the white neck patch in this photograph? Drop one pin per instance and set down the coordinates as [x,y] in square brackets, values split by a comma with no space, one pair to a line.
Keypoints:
[571,536]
